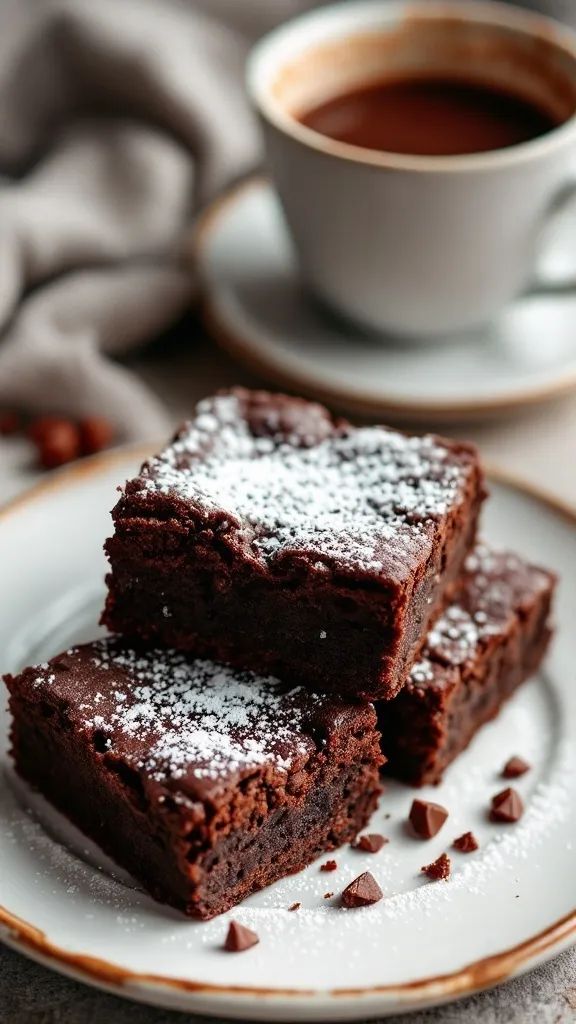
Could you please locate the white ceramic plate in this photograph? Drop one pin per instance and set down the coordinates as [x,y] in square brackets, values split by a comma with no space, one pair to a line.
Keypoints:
[508,907]
[256,308]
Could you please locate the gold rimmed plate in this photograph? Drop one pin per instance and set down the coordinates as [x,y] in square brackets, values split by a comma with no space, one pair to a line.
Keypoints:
[508,907]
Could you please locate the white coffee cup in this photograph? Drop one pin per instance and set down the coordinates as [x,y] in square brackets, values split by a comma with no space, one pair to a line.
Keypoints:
[416,245]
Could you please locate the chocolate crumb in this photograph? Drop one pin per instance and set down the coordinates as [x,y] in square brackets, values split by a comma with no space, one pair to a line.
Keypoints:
[328,895]
[507,806]
[427,818]
[362,892]
[370,843]
[438,870]
[330,865]
[515,767]
[295,906]
[466,843]
[387,815]
[240,938]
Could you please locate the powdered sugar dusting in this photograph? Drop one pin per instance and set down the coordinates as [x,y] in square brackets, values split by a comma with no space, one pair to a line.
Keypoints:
[496,583]
[415,915]
[357,496]
[188,715]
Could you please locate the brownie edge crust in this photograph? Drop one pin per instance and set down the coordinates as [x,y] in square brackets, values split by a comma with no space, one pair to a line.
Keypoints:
[488,641]
[272,536]
[204,783]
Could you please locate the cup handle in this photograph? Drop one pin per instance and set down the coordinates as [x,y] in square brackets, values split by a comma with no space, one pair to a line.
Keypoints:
[563,286]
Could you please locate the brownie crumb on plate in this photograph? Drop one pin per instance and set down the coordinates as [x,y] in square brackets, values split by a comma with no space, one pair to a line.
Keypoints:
[272,536]
[330,865]
[204,782]
[466,843]
[438,870]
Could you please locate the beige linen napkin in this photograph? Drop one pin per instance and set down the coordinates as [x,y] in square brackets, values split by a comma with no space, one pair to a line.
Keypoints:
[117,120]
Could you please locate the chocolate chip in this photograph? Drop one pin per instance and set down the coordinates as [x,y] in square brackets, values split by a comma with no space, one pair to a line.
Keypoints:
[60,444]
[427,818]
[438,870]
[507,806]
[370,843]
[240,938]
[515,767]
[295,906]
[362,892]
[43,425]
[466,843]
[328,895]
[96,434]
[330,865]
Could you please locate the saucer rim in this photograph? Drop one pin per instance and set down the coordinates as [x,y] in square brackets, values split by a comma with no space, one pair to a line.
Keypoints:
[358,401]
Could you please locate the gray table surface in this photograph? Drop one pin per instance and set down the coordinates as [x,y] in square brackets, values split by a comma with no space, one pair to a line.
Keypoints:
[539,446]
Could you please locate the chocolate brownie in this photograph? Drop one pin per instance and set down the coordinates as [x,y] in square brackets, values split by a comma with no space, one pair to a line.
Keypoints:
[271,536]
[486,643]
[205,783]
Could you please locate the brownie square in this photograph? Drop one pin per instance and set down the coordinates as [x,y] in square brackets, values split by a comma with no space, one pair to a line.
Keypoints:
[485,645]
[205,783]
[271,536]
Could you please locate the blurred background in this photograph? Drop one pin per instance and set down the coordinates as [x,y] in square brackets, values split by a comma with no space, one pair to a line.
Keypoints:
[120,121]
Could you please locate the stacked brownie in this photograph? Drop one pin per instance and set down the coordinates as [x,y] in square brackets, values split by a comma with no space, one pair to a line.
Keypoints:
[206,783]
[273,572]
[270,536]
[488,641]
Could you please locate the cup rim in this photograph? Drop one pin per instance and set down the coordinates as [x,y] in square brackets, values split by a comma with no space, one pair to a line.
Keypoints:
[492,12]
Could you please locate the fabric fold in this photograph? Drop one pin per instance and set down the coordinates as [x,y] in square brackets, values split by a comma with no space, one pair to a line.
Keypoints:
[118,120]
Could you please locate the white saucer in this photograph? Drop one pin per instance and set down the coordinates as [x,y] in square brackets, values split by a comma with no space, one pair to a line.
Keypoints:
[257,309]
[507,907]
